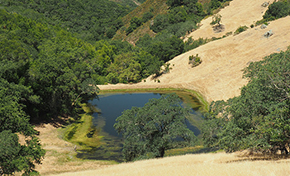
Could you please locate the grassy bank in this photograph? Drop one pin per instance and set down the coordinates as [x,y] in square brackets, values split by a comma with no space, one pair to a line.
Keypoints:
[82,132]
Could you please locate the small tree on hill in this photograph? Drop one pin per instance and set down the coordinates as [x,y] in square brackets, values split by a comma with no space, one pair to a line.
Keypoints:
[154,128]
[216,19]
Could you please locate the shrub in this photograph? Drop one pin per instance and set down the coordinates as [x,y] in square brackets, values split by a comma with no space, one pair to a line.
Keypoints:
[194,60]
[241,29]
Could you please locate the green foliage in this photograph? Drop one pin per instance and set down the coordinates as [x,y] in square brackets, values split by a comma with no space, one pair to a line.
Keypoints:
[191,44]
[126,67]
[89,20]
[168,49]
[154,128]
[181,28]
[240,29]
[259,118]
[194,60]
[135,22]
[177,15]
[64,74]
[149,64]
[13,119]
[216,19]
[277,10]
[214,4]
[147,16]
[49,61]
[160,23]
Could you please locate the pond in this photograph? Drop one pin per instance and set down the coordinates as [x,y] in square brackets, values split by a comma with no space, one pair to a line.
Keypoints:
[111,105]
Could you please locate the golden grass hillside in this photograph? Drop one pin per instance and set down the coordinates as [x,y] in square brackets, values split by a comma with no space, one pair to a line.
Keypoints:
[219,164]
[218,77]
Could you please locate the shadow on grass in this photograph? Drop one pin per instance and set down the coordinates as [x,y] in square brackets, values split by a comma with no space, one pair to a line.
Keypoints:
[262,157]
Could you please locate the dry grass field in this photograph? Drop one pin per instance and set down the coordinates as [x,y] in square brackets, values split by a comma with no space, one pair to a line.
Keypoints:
[218,164]
[218,77]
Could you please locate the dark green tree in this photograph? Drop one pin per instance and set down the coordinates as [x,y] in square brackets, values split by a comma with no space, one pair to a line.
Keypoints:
[259,118]
[126,67]
[277,10]
[16,157]
[147,16]
[168,49]
[177,15]
[160,22]
[154,128]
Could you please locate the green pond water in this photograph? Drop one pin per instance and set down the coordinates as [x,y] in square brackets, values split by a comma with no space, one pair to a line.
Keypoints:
[111,106]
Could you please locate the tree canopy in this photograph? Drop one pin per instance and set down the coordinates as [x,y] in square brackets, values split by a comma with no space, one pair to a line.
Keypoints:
[259,118]
[89,20]
[13,119]
[150,130]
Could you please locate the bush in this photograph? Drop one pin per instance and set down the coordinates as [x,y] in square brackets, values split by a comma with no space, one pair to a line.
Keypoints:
[191,44]
[241,29]
[194,60]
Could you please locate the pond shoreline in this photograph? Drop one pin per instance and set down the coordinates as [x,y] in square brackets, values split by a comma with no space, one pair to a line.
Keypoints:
[199,96]
[77,132]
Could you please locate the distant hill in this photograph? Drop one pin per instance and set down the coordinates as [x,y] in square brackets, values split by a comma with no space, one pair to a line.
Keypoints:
[154,6]
[90,20]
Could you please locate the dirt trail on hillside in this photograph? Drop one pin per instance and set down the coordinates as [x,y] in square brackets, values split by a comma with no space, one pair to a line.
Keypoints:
[219,76]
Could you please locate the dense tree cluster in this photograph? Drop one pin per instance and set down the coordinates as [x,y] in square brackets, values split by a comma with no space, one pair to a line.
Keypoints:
[54,53]
[260,117]
[89,19]
[44,72]
[277,9]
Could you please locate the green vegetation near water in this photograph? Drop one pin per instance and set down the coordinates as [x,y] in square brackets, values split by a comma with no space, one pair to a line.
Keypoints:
[54,53]
[82,132]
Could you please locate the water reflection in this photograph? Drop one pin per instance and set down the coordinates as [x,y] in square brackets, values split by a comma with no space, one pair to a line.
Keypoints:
[111,106]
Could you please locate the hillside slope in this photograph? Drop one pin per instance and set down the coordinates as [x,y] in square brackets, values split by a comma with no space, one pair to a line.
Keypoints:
[238,13]
[219,77]
[200,164]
